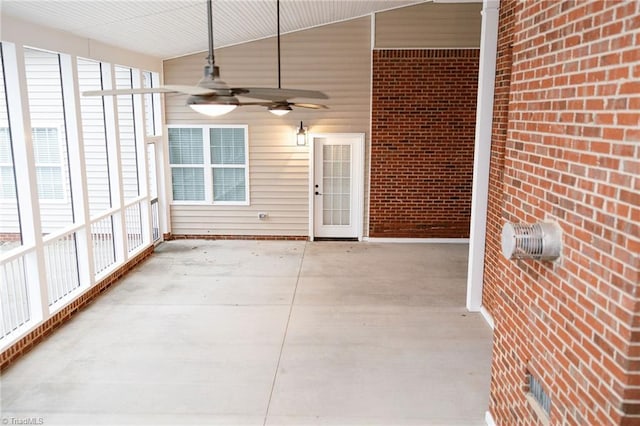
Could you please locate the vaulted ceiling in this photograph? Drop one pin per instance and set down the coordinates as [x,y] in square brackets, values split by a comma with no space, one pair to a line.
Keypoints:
[170,28]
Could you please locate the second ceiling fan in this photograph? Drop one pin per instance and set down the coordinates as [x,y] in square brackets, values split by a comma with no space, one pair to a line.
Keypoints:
[279,103]
[213,97]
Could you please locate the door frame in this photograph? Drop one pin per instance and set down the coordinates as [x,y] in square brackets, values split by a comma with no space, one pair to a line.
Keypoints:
[358,184]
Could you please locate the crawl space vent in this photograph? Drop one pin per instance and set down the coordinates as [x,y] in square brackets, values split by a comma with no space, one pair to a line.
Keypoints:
[538,395]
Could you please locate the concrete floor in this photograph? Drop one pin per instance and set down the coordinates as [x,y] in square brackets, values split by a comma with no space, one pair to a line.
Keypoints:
[268,333]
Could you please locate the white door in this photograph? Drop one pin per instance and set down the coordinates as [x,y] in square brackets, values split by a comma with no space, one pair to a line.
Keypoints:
[337,186]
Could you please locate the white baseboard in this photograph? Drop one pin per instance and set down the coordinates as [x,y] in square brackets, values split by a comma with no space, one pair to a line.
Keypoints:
[417,240]
[487,317]
[488,418]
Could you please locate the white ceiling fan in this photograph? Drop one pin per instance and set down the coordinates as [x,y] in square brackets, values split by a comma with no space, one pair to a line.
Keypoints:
[213,97]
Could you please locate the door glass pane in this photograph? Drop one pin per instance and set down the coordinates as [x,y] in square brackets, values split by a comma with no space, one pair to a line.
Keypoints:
[336,185]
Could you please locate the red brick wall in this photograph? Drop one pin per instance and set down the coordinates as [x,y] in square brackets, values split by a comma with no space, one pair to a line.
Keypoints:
[571,154]
[422,137]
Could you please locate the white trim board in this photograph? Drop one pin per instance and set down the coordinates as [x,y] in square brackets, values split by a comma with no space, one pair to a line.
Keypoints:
[487,317]
[488,418]
[417,240]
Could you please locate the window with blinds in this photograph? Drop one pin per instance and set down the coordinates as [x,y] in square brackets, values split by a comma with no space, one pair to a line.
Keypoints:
[48,159]
[228,158]
[209,164]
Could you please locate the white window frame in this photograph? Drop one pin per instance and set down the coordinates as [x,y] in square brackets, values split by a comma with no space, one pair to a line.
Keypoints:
[209,166]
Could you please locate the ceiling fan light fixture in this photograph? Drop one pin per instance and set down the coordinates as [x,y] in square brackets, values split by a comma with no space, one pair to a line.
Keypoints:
[213,106]
[213,110]
[280,110]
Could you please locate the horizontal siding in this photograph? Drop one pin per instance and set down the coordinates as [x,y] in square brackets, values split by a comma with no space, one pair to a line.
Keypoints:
[430,25]
[278,169]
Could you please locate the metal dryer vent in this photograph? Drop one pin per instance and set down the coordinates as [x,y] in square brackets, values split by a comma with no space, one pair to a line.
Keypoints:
[542,241]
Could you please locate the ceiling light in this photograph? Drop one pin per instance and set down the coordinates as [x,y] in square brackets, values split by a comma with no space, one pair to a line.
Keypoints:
[279,109]
[213,106]
[213,110]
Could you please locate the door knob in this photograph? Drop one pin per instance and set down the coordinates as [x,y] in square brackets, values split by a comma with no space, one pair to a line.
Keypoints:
[317,193]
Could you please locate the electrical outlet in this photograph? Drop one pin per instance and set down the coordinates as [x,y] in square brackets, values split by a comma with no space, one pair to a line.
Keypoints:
[262,216]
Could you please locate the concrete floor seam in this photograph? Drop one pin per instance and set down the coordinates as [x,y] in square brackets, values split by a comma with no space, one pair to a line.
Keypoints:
[284,338]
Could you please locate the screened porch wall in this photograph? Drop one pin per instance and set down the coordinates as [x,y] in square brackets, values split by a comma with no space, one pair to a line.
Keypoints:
[81,208]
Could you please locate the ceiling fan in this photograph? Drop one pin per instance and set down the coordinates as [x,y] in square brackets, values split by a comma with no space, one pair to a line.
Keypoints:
[280,104]
[213,97]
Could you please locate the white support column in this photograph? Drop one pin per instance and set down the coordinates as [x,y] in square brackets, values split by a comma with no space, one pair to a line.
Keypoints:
[482,155]
[165,189]
[157,106]
[141,156]
[77,169]
[115,170]
[26,180]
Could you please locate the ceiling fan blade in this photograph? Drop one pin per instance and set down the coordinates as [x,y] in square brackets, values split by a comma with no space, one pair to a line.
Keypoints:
[267,104]
[188,90]
[275,95]
[115,92]
[312,106]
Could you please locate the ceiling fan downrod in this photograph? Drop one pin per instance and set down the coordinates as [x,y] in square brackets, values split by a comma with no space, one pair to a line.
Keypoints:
[211,71]
[278,25]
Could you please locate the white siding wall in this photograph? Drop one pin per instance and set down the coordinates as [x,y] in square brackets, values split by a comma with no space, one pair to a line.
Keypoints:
[8,206]
[44,88]
[94,137]
[335,59]
[126,127]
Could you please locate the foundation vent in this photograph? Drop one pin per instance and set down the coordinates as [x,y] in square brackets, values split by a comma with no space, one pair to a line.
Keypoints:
[539,399]
[541,241]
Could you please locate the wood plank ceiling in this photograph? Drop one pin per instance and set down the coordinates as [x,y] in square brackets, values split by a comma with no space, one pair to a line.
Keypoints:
[172,28]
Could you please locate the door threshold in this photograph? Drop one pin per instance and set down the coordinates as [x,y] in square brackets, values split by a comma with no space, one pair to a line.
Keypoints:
[334,239]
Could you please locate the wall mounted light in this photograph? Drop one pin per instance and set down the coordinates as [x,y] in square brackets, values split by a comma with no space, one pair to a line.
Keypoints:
[301,135]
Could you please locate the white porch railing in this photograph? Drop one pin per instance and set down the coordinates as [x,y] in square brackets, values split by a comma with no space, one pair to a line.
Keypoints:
[14,301]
